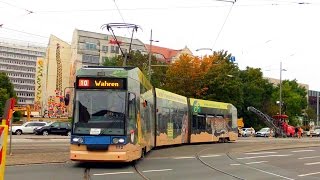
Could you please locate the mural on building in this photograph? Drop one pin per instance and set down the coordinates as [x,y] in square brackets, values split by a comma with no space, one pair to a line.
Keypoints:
[56,107]
[39,77]
[57,75]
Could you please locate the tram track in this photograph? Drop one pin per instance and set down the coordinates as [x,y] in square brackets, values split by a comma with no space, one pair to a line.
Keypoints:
[197,155]
[134,165]
[86,174]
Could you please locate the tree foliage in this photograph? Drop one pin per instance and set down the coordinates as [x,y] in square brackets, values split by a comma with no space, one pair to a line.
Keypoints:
[137,59]
[294,98]
[257,93]
[216,78]
[6,91]
[183,76]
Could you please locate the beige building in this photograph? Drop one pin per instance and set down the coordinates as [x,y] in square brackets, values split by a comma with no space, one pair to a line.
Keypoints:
[277,81]
[56,64]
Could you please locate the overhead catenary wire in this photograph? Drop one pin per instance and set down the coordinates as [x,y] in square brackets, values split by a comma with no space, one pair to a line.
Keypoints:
[278,3]
[229,12]
[120,15]
[18,7]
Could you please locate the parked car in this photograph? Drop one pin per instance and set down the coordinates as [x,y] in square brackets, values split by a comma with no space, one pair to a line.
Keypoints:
[247,132]
[264,132]
[27,128]
[59,128]
[316,132]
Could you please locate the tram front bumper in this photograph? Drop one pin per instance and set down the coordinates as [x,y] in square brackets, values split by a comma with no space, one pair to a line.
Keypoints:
[99,156]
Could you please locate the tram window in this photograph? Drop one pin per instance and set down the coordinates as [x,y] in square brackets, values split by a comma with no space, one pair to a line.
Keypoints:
[201,122]
[132,110]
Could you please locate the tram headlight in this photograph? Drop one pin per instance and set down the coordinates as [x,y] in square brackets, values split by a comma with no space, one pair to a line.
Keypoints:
[115,140]
[118,140]
[121,140]
[77,140]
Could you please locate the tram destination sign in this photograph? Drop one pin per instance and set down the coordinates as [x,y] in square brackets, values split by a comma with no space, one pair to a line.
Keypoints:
[101,83]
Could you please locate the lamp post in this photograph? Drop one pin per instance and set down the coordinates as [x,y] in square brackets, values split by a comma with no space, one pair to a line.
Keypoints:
[150,55]
[280,89]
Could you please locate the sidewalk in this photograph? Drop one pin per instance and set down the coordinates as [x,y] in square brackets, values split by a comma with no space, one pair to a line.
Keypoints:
[37,158]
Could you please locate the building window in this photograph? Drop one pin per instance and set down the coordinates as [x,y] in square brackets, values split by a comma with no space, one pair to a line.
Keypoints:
[117,49]
[91,46]
[90,59]
[113,49]
[105,49]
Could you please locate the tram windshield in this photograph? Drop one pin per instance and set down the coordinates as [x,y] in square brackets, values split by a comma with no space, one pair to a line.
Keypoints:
[99,112]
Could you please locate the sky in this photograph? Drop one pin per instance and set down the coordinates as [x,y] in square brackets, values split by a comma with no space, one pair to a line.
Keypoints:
[259,33]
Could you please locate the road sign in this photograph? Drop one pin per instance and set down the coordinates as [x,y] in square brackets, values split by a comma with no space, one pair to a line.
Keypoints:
[3,149]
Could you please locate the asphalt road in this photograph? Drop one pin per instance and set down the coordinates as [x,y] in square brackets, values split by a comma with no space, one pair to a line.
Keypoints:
[249,158]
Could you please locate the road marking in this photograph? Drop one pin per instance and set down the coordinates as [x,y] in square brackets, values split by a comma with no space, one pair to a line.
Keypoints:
[272,155]
[307,164]
[212,155]
[256,162]
[264,152]
[235,164]
[301,175]
[157,170]
[102,174]
[309,157]
[186,157]
[306,150]
[273,174]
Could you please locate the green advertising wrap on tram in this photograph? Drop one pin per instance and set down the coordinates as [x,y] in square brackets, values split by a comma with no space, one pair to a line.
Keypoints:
[212,121]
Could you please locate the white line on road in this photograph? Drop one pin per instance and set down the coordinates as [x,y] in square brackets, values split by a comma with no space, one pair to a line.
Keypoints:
[274,174]
[256,162]
[272,155]
[157,170]
[301,175]
[265,152]
[308,164]
[212,155]
[235,164]
[306,150]
[309,157]
[102,174]
[187,157]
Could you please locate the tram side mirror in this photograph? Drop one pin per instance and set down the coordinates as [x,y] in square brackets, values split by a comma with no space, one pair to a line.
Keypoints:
[67,99]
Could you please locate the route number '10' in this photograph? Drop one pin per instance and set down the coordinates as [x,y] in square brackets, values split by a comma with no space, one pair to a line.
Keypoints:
[84,83]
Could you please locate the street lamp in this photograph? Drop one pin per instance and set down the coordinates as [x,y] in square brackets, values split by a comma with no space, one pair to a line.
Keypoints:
[280,86]
[280,103]
[150,54]
[204,49]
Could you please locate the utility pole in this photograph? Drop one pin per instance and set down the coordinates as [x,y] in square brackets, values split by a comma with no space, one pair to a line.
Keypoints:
[150,55]
[317,108]
[150,51]
[280,85]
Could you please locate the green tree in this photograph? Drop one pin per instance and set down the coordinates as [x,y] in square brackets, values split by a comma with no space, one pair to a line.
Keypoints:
[257,92]
[4,96]
[6,84]
[294,98]
[223,81]
[113,61]
[6,91]
[137,59]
